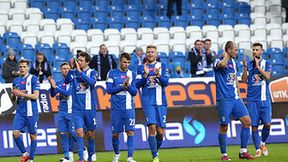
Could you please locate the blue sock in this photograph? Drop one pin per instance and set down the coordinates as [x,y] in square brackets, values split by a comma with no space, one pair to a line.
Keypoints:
[65,145]
[20,144]
[71,143]
[33,149]
[80,144]
[256,139]
[91,148]
[265,134]
[153,145]
[244,137]
[115,143]
[159,142]
[130,145]
[222,142]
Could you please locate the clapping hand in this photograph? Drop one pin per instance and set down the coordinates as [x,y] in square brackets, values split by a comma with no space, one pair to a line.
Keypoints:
[52,82]
[146,69]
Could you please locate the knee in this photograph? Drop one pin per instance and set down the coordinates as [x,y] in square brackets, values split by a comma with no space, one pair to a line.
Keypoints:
[254,129]
[152,130]
[267,126]
[90,134]
[160,136]
[16,134]
[33,137]
[115,135]
[246,122]
[130,133]
[223,128]
[79,133]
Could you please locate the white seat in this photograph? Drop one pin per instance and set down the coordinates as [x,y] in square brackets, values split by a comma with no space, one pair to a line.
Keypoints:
[259,31]
[274,30]
[29,38]
[74,46]
[4,16]
[112,35]
[162,45]
[95,35]
[17,14]
[274,18]
[178,33]
[222,41]
[19,4]
[211,32]
[285,40]
[258,18]
[2,28]
[15,26]
[274,6]
[243,43]
[226,31]
[143,44]
[161,33]
[257,39]
[129,34]
[5,5]
[145,34]
[242,31]
[34,14]
[258,6]
[113,47]
[93,47]
[275,42]
[176,45]
[63,37]
[214,46]
[46,37]
[79,36]
[127,46]
[190,44]
[64,24]
[194,32]
[285,28]
[31,26]
[48,25]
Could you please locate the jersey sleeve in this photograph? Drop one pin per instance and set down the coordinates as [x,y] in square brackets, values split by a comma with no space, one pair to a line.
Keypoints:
[132,88]
[216,61]
[35,84]
[90,80]
[268,66]
[110,87]
[164,77]
[140,79]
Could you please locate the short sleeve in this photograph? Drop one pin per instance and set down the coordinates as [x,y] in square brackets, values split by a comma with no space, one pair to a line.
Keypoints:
[215,62]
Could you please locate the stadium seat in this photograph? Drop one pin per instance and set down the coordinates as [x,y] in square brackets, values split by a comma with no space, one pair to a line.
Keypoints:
[177,46]
[177,56]
[57,74]
[178,33]
[129,34]
[81,24]
[95,35]
[27,52]
[258,6]
[180,21]
[144,43]
[275,42]
[61,50]
[116,23]
[15,26]
[162,45]
[79,36]
[131,22]
[93,48]
[145,34]
[31,26]
[147,22]
[4,16]
[259,31]
[50,13]
[243,43]
[45,49]
[163,21]
[12,39]
[37,3]
[17,14]
[163,57]
[161,33]
[65,25]
[99,23]
[48,25]
[29,38]
[127,46]
[85,5]
[63,37]
[34,14]
[46,37]
[211,32]
[258,19]
[113,47]
[242,31]
[112,35]
[75,46]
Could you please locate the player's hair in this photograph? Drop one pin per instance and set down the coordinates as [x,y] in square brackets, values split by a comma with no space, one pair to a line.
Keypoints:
[85,55]
[24,61]
[229,44]
[207,40]
[198,40]
[64,63]
[125,55]
[257,44]
[151,46]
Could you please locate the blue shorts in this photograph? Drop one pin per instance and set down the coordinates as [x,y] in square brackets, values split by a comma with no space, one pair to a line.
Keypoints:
[21,121]
[84,119]
[260,112]
[122,120]
[155,115]
[226,108]
[63,122]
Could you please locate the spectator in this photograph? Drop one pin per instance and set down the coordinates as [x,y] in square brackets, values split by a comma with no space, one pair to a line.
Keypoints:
[136,59]
[41,68]
[198,59]
[208,50]
[10,67]
[170,7]
[177,71]
[285,5]
[103,62]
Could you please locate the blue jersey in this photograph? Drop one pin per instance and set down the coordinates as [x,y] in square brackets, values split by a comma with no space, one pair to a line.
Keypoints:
[27,85]
[153,88]
[121,99]
[226,81]
[258,89]
[83,91]
[65,97]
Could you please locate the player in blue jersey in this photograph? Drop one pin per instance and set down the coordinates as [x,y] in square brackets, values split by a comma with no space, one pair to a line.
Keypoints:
[63,119]
[229,102]
[153,78]
[82,80]
[257,73]
[121,85]
[26,92]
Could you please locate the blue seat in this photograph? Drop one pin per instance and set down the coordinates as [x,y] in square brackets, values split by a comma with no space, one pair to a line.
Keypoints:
[242,7]
[180,21]
[116,12]
[177,56]
[118,3]
[196,21]
[212,20]
[69,4]
[278,70]
[163,21]
[83,14]
[57,63]
[82,24]
[132,11]
[57,75]
[99,23]
[134,2]
[195,4]
[273,50]
[147,22]
[228,10]
[149,4]
[163,57]
[227,19]
[61,50]
[37,4]
[212,11]
[67,13]
[285,52]
[243,18]
[149,13]
[51,14]
[12,39]
[45,49]
[27,52]
[212,3]
[102,4]
[115,23]
[5,49]
[162,10]
[226,3]
[53,4]
[85,5]
[131,23]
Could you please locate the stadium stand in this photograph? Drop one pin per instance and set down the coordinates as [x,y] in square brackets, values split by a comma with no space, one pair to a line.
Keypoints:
[64,27]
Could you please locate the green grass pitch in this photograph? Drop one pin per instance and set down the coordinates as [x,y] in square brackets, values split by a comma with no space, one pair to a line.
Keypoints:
[277,153]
